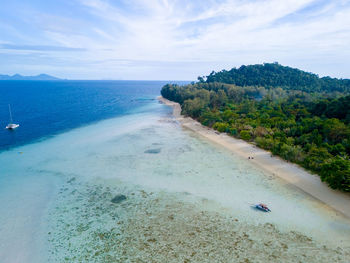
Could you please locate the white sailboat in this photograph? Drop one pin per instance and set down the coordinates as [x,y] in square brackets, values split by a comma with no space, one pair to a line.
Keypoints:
[11,125]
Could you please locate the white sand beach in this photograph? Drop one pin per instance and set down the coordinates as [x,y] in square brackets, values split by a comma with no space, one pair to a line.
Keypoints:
[289,172]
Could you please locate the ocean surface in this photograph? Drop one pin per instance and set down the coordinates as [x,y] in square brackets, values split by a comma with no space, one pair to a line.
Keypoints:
[46,108]
[83,143]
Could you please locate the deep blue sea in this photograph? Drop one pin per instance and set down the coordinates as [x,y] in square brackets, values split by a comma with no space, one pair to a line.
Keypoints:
[46,108]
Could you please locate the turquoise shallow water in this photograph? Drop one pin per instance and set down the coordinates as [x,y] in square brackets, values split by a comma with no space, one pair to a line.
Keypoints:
[148,151]
[31,176]
[47,108]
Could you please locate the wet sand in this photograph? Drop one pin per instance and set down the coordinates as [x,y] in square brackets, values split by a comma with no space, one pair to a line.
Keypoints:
[290,173]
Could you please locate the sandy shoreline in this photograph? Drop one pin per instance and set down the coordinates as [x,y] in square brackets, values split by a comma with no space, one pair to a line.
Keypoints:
[290,173]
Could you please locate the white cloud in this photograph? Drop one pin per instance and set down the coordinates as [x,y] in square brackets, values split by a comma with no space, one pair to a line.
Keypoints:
[202,35]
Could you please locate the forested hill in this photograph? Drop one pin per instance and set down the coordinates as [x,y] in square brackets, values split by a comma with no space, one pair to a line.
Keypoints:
[291,113]
[275,75]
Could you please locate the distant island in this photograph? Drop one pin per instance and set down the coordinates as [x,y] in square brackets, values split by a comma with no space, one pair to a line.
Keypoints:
[20,77]
[294,114]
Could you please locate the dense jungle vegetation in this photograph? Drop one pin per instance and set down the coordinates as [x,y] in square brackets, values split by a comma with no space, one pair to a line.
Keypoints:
[296,115]
[275,75]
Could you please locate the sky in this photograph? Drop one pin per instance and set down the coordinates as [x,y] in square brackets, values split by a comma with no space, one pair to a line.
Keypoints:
[171,40]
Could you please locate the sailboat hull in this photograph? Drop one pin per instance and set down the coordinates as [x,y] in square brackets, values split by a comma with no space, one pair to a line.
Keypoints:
[12,126]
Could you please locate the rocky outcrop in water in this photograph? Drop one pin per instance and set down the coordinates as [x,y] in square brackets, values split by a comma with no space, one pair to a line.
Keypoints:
[118,198]
[154,151]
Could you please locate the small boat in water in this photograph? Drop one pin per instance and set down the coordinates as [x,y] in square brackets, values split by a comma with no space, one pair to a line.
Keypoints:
[262,207]
[11,125]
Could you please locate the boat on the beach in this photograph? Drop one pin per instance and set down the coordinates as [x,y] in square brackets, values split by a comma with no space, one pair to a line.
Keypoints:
[11,125]
[262,207]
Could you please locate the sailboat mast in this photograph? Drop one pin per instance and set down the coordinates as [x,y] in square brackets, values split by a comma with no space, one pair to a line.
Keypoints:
[10,114]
